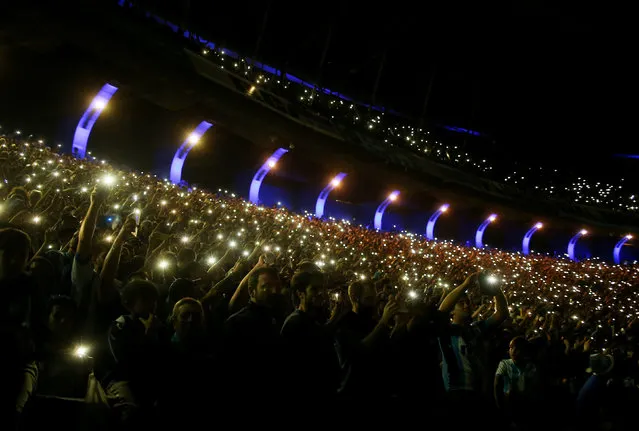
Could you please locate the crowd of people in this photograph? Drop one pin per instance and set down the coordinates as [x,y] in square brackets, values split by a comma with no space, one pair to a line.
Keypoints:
[128,302]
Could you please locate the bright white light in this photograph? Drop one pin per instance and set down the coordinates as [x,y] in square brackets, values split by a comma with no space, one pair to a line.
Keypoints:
[193,138]
[99,104]
[491,279]
[271,163]
[335,182]
[444,208]
[412,294]
[245,253]
[583,232]
[185,239]
[163,264]
[393,196]
[163,203]
[211,260]
[628,236]
[36,219]
[539,225]
[137,211]
[232,244]
[108,238]
[108,180]
[493,217]
[81,351]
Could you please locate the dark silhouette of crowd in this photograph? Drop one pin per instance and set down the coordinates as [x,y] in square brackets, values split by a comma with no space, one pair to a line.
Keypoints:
[131,303]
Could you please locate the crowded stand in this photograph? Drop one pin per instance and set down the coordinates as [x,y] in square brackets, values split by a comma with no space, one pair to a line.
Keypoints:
[390,128]
[129,302]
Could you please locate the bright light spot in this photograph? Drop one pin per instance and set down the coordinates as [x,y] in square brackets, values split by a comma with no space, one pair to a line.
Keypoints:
[211,260]
[336,182]
[491,279]
[163,203]
[185,239]
[583,232]
[245,253]
[628,236]
[99,104]
[193,138]
[271,163]
[36,219]
[393,196]
[108,180]
[412,294]
[163,264]
[137,211]
[444,208]
[232,244]
[251,90]
[108,238]
[81,351]
[539,225]
[492,217]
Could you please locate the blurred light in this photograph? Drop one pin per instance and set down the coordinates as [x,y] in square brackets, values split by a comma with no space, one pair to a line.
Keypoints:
[81,351]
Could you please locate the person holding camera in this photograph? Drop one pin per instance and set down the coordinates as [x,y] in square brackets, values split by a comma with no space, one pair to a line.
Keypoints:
[461,340]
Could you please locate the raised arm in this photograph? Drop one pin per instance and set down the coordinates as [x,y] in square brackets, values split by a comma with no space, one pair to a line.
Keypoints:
[107,292]
[456,294]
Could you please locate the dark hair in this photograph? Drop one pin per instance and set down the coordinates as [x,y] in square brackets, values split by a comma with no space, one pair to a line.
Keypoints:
[137,289]
[520,343]
[186,255]
[253,279]
[179,289]
[13,240]
[184,301]
[302,279]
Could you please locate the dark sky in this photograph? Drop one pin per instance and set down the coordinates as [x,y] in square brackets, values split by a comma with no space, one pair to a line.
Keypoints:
[545,82]
[531,74]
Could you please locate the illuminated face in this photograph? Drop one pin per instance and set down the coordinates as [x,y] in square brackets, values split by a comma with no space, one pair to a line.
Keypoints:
[61,321]
[188,320]
[268,287]
[463,309]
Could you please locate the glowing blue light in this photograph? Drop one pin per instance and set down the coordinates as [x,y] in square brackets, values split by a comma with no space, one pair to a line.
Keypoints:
[377,222]
[616,254]
[321,200]
[479,235]
[525,244]
[90,116]
[573,242]
[430,226]
[254,191]
[180,155]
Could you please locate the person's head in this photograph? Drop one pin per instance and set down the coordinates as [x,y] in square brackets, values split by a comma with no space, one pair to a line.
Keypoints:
[264,286]
[15,246]
[463,311]
[139,297]
[309,289]
[181,288]
[185,257]
[187,319]
[61,317]
[518,349]
[34,197]
[363,297]
[308,266]
[44,273]
[18,193]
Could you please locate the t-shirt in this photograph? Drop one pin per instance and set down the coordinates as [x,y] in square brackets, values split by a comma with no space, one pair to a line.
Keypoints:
[516,379]
[463,356]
